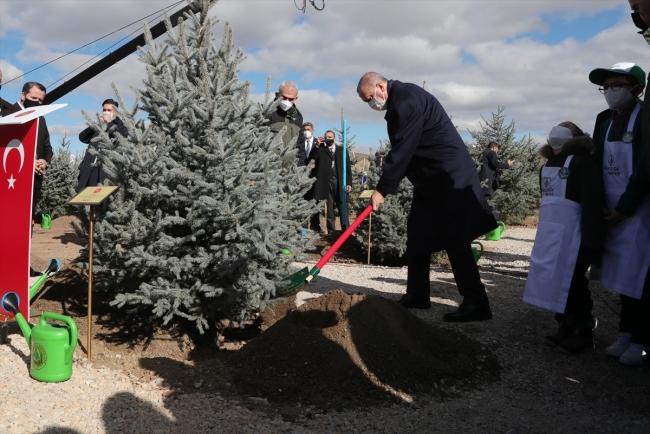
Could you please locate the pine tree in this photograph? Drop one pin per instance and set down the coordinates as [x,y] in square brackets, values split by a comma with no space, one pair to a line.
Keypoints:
[388,237]
[353,196]
[208,196]
[59,181]
[518,194]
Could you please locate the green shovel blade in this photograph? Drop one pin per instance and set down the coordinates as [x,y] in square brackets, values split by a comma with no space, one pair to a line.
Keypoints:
[292,283]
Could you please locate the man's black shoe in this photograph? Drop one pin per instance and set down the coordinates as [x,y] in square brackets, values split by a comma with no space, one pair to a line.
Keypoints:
[469,312]
[409,301]
[34,273]
[319,231]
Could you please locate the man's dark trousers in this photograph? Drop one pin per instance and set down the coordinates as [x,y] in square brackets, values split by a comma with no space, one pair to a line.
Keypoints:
[333,198]
[465,272]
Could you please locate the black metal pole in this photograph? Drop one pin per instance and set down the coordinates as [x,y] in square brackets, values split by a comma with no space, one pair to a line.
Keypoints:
[110,60]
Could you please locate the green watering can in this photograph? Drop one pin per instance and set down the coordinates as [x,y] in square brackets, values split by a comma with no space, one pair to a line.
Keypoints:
[477,254]
[47,221]
[52,345]
[495,235]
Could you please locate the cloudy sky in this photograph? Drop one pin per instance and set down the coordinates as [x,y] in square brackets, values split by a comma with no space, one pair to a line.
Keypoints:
[533,57]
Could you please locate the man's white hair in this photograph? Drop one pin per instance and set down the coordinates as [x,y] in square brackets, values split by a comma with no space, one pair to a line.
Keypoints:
[289,84]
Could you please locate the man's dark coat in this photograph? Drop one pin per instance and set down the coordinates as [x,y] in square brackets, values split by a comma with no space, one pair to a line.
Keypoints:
[323,171]
[87,136]
[449,207]
[43,146]
[489,167]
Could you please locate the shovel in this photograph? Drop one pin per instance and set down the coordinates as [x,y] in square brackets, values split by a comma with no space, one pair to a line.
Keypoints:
[294,283]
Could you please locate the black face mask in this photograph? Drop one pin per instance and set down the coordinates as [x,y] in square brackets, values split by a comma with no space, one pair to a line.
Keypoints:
[29,103]
[329,142]
[638,21]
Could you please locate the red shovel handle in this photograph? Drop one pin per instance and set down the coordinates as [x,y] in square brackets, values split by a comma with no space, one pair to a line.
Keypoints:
[343,238]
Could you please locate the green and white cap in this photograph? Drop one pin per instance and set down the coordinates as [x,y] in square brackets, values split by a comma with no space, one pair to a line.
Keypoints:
[599,75]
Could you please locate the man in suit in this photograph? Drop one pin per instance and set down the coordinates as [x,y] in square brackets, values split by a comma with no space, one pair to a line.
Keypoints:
[491,169]
[33,95]
[449,209]
[311,142]
[91,174]
[328,171]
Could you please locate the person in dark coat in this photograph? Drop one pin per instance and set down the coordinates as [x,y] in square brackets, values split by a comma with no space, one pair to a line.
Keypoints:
[491,169]
[90,173]
[32,95]
[328,171]
[287,115]
[311,142]
[449,209]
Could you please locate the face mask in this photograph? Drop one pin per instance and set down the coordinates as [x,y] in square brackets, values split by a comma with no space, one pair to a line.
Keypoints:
[112,115]
[620,99]
[377,105]
[638,21]
[285,105]
[329,142]
[29,103]
[307,134]
[559,136]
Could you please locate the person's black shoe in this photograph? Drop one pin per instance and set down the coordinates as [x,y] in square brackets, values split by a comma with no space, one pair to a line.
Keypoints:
[319,231]
[469,312]
[34,273]
[409,301]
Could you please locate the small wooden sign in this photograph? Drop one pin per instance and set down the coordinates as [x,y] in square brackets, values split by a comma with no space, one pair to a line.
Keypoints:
[366,194]
[92,195]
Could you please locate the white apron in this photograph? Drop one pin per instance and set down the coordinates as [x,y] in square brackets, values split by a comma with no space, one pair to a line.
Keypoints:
[557,242]
[626,255]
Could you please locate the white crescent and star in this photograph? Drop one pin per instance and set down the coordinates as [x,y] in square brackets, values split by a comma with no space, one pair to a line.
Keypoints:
[14,144]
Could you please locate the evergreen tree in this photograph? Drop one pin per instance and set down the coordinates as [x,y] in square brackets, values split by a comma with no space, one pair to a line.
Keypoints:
[353,196]
[59,181]
[388,237]
[208,196]
[518,194]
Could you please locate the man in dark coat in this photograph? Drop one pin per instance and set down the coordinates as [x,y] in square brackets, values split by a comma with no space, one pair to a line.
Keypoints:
[491,169]
[287,115]
[33,95]
[310,143]
[90,173]
[449,209]
[328,171]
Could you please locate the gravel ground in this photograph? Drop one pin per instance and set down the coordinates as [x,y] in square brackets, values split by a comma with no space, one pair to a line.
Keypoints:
[540,390]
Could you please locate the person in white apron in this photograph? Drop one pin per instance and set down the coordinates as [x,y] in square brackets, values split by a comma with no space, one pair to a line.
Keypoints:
[569,237]
[626,255]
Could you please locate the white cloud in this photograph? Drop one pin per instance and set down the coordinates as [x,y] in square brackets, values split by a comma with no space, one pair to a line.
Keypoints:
[9,72]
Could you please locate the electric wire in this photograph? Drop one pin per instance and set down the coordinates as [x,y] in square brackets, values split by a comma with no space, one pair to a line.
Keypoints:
[90,43]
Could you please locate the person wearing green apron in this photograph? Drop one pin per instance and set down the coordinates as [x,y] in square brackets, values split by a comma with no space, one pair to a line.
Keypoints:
[626,255]
[569,237]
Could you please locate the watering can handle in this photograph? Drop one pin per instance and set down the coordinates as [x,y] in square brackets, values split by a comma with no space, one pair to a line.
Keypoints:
[476,242]
[66,319]
[502,224]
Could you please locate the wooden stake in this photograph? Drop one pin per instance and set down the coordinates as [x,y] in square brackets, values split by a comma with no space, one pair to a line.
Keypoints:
[369,232]
[89,339]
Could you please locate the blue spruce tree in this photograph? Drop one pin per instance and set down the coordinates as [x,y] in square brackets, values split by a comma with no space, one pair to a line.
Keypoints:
[208,197]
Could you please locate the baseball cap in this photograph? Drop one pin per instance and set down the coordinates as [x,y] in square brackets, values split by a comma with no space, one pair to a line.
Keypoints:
[599,75]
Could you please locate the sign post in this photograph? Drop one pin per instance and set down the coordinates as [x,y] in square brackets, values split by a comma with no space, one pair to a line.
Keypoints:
[344,212]
[91,196]
[367,194]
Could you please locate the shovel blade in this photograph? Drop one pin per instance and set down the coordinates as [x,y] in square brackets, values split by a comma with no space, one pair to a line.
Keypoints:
[292,283]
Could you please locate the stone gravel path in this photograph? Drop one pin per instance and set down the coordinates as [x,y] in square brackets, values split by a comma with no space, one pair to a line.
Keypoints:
[540,389]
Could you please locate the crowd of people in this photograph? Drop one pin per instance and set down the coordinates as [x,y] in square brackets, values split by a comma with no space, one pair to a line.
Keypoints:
[595,202]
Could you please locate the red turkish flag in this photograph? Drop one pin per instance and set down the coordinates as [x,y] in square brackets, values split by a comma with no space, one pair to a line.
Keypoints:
[17,158]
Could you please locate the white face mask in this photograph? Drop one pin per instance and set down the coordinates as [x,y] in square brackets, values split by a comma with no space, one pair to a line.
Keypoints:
[559,136]
[620,99]
[307,134]
[112,115]
[377,105]
[285,105]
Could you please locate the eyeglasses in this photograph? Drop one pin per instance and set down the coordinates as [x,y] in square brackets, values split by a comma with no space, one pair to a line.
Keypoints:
[614,86]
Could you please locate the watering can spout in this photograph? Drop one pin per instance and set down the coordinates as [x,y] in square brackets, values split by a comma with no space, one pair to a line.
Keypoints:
[10,303]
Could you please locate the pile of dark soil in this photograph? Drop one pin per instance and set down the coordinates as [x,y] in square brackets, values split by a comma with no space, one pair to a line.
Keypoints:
[343,351]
